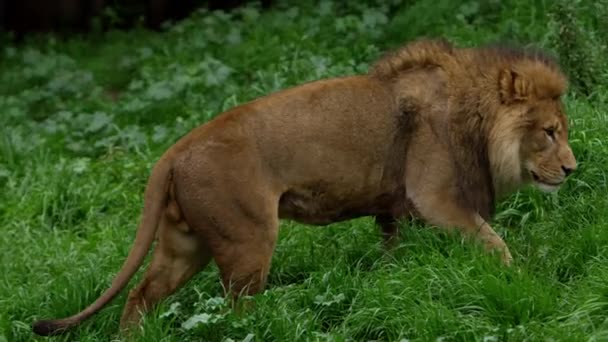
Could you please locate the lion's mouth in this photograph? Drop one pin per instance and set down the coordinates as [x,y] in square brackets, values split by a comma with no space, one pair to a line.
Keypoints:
[537,179]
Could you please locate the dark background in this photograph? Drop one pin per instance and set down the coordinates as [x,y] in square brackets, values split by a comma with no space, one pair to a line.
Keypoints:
[25,16]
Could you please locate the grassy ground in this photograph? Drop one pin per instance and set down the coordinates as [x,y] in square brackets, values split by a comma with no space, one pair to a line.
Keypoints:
[82,120]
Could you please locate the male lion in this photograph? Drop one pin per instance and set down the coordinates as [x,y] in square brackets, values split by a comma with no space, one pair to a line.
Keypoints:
[432,131]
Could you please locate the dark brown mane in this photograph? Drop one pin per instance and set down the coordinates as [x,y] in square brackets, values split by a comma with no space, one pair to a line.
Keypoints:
[439,52]
[476,90]
[511,52]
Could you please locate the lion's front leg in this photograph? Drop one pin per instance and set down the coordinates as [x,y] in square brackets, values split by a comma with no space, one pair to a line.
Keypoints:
[491,240]
[441,211]
[480,230]
[389,229]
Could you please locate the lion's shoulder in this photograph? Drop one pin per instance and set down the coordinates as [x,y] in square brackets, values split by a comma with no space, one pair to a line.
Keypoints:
[420,53]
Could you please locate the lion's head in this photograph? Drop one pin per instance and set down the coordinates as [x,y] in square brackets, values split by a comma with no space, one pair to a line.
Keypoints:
[529,143]
[517,91]
[546,154]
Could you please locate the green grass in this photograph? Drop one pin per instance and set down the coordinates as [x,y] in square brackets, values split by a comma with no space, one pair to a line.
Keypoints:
[82,121]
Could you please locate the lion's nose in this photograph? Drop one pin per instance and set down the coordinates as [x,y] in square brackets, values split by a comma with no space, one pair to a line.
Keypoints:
[567,170]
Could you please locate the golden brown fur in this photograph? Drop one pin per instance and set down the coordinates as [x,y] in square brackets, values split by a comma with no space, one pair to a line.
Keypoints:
[432,131]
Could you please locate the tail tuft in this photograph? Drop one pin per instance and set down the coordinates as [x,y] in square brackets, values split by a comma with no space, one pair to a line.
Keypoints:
[49,327]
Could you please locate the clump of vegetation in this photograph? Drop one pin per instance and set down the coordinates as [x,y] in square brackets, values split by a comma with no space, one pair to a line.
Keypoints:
[83,119]
[579,37]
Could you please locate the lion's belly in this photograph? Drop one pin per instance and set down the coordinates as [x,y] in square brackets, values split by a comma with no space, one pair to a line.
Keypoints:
[312,206]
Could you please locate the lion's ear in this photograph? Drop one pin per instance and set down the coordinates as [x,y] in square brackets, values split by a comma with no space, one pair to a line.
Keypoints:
[513,87]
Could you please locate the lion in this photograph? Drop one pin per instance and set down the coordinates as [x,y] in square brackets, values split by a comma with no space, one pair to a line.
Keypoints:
[432,131]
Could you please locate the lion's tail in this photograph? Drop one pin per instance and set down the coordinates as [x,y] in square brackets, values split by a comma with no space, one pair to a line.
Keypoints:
[154,201]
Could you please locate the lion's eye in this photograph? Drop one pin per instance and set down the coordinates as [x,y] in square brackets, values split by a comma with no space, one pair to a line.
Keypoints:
[550,132]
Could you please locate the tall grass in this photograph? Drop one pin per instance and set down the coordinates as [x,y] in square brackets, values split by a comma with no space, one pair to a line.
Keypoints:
[83,119]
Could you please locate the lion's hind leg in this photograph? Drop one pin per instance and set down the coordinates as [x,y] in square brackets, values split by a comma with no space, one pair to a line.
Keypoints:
[244,261]
[241,233]
[179,255]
